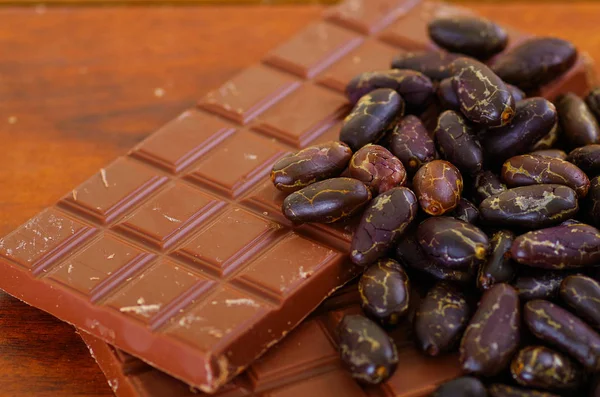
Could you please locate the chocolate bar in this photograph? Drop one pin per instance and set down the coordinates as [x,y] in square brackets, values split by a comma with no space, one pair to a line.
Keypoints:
[178,252]
[305,363]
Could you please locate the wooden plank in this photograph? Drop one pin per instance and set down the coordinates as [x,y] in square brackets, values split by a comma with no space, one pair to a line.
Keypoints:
[232,2]
[164,2]
[168,2]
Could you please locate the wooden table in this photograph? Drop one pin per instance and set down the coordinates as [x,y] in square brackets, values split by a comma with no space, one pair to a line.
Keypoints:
[79,86]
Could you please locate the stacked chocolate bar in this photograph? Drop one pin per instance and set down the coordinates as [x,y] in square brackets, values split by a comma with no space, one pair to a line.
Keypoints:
[176,261]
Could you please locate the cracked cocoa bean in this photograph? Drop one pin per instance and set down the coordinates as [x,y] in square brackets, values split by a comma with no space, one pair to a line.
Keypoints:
[582,294]
[377,168]
[326,201]
[530,207]
[535,62]
[527,170]
[451,242]
[487,184]
[441,319]
[498,267]
[566,246]
[457,144]
[557,327]
[414,87]
[587,158]
[466,211]
[366,350]
[483,97]
[385,219]
[537,284]
[433,64]
[577,122]
[534,118]
[493,334]
[411,143]
[410,253]
[477,37]
[371,117]
[385,292]
[543,368]
[438,186]
[310,165]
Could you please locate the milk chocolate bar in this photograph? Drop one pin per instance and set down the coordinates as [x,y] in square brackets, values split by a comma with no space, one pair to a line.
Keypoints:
[177,266]
[305,363]
[178,252]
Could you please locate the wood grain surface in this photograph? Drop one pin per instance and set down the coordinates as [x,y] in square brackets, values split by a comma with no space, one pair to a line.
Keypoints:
[85,3]
[79,86]
[216,2]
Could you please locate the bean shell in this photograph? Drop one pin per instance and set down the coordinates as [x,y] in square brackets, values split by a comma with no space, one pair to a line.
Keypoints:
[447,96]
[441,272]
[448,99]
[534,118]
[473,36]
[559,247]
[526,170]
[466,211]
[530,207]
[326,201]
[438,186]
[492,336]
[550,153]
[582,294]
[451,242]
[366,349]
[385,291]
[487,184]
[498,267]
[484,98]
[310,165]
[411,143]
[370,118]
[441,319]
[498,390]
[465,386]
[538,284]
[382,223]
[410,253]
[457,144]
[377,168]
[577,122]
[587,158]
[556,326]
[549,140]
[592,204]
[414,87]
[535,62]
[433,64]
[593,102]
[544,368]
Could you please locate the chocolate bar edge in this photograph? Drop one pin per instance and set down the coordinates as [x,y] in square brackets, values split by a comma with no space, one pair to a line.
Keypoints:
[101,352]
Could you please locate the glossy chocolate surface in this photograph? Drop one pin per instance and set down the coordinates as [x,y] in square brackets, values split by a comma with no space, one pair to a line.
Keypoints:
[305,363]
